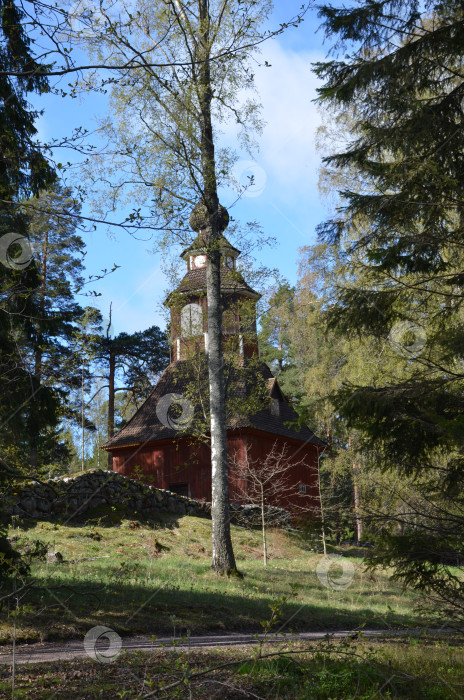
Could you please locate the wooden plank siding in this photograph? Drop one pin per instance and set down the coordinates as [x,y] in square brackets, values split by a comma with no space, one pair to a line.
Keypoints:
[179,462]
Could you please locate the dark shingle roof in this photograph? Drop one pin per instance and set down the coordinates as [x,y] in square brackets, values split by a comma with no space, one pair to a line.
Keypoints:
[231,281]
[200,244]
[145,425]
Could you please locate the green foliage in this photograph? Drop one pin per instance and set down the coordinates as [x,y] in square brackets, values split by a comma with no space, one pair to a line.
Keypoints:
[165,144]
[11,562]
[275,347]
[135,358]
[399,231]
[419,670]
[23,171]
[401,224]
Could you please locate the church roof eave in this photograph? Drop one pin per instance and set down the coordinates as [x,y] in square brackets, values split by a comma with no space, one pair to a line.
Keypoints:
[243,292]
[194,282]
[199,246]
[145,426]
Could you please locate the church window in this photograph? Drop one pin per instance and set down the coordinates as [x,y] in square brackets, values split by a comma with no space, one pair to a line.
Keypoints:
[191,320]
[302,488]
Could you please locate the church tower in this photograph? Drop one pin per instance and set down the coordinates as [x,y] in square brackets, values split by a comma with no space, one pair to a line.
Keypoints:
[188,302]
[158,446]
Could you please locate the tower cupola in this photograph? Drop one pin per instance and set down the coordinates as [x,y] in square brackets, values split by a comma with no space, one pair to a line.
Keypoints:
[195,254]
[188,302]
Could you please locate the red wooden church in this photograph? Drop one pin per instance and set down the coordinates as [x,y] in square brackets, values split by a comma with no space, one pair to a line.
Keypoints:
[158,446]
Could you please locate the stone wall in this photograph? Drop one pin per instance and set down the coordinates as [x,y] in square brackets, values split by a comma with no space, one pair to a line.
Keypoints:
[69,498]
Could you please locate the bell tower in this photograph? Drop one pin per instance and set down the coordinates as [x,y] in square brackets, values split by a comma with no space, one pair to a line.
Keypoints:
[189,323]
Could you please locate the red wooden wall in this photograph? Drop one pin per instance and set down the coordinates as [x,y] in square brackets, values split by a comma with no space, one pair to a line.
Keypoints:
[168,463]
[303,472]
[171,464]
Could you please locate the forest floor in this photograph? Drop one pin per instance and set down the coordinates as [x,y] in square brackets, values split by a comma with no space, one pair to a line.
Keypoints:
[154,579]
[412,668]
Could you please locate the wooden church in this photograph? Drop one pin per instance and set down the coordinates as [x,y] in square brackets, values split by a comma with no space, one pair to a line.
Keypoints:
[157,446]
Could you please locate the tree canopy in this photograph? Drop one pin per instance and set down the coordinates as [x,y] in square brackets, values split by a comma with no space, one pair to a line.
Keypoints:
[395,89]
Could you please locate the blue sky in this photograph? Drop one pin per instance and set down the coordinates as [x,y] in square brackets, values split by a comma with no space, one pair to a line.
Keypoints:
[285,202]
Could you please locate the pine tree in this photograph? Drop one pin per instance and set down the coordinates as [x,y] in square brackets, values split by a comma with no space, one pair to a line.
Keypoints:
[134,359]
[58,255]
[274,328]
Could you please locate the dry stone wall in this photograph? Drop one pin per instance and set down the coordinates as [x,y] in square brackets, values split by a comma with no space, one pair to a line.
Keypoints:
[70,498]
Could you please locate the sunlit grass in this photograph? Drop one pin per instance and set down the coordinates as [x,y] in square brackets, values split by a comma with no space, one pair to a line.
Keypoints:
[150,578]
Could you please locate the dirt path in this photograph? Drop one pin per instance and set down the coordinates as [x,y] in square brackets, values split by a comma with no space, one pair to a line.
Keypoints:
[55,651]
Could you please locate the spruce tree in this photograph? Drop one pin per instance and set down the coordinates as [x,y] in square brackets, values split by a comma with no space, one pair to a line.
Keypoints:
[400,228]
[23,171]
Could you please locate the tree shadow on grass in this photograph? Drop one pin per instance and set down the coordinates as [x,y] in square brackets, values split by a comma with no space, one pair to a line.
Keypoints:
[60,609]
[145,591]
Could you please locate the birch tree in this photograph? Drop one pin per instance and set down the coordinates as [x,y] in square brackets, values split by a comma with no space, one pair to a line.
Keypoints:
[163,130]
[266,484]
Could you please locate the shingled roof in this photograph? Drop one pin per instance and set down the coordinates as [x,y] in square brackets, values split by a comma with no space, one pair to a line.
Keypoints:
[231,281]
[199,244]
[145,426]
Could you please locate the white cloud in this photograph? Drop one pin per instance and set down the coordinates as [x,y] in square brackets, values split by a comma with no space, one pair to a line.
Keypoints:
[286,90]
[286,165]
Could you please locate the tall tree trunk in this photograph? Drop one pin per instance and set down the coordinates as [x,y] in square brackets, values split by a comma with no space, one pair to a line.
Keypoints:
[43,285]
[38,350]
[112,363]
[319,490]
[263,526]
[223,555]
[82,420]
[358,519]
[356,499]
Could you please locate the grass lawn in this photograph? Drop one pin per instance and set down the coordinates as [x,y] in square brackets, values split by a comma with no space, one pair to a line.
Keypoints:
[155,578]
[408,668]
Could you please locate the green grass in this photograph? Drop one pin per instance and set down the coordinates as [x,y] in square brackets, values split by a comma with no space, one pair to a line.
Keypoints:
[361,669]
[127,584]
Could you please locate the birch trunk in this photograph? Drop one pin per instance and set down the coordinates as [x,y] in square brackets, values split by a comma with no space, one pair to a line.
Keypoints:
[223,556]
[324,542]
[358,519]
[263,526]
